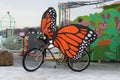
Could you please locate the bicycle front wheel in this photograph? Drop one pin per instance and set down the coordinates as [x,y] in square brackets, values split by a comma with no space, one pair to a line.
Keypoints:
[80,64]
[33,59]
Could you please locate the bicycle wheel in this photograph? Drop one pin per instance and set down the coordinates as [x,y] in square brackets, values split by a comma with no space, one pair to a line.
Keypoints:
[80,64]
[33,59]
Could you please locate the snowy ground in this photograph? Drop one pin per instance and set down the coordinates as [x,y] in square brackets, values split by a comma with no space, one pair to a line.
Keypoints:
[96,71]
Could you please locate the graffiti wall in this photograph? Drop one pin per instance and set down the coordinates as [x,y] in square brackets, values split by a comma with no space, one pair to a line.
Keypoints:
[107,26]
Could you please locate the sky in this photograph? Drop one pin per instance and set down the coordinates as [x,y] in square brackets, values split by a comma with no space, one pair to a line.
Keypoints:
[28,13]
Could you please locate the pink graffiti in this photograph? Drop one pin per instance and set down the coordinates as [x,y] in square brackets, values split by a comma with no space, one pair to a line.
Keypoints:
[118,26]
[98,32]
[82,23]
[102,15]
[102,25]
[92,23]
[118,9]
[108,15]
[117,23]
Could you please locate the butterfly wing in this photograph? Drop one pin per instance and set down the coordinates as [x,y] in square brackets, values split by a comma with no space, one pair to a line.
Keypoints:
[73,39]
[48,22]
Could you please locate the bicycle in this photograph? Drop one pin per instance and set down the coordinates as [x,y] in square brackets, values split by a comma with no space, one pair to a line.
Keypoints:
[35,57]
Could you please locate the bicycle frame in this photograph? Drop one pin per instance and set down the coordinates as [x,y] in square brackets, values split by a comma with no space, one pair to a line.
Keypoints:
[72,64]
[46,46]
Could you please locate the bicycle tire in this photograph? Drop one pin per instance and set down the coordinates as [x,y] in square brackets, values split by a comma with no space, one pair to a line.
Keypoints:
[33,59]
[80,64]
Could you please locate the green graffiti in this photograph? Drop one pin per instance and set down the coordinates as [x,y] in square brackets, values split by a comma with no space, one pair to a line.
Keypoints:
[107,25]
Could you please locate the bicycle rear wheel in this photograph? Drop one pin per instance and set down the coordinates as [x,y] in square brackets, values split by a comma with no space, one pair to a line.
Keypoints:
[80,64]
[33,59]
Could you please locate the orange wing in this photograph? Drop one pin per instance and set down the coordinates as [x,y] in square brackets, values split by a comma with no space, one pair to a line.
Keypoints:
[48,22]
[73,39]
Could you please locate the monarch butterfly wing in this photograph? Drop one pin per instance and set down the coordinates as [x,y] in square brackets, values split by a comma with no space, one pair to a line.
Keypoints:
[73,39]
[48,22]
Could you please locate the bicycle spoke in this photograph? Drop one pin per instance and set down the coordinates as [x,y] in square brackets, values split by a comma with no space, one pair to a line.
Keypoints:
[33,59]
[81,63]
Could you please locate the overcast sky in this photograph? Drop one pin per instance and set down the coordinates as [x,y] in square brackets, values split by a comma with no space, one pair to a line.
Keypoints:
[29,12]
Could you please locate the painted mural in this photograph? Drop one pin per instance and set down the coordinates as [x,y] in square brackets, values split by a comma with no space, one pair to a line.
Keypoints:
[107,26]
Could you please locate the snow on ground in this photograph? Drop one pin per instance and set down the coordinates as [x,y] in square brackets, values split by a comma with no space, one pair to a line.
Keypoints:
[96,71]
